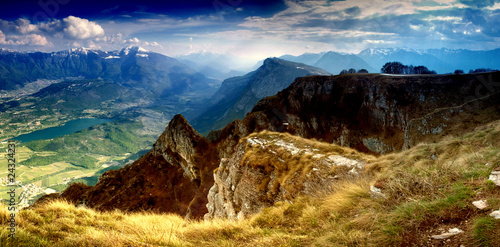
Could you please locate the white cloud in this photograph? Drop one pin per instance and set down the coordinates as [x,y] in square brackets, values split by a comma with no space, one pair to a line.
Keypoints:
[453,19]
[19,26]
[378,41]
[496,6]
[70,27]
[30,39]
[24,26]
[3,40]
[134,40]
[78,28]
[301,12]
[35,39]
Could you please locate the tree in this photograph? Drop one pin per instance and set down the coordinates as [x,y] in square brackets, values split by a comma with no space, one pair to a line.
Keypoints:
[459,71]
[408,70]
[363,71]
[343,72]
[352,71]
[399,68]
[393,68]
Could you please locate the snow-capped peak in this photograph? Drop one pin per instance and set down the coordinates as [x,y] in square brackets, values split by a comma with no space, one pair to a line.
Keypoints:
[5,50]
[81,51]
[388,51]
[136,49]
[377,51]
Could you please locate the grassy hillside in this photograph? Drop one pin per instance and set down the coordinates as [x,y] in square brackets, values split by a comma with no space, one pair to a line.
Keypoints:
[424,191]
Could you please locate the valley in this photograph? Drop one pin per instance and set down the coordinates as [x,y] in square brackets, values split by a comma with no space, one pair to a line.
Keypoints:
[79,157]
[123,110]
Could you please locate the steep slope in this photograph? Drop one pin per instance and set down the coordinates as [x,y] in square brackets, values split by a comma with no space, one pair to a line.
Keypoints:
[266,168]
[406,198]
[238,95]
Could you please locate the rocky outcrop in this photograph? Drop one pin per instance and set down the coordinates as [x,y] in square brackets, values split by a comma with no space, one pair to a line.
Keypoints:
[177,145]
[266,168]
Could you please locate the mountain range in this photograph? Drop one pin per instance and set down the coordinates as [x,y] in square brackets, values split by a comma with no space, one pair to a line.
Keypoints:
[334,129]
[132,67]
[372,59]
[70,84]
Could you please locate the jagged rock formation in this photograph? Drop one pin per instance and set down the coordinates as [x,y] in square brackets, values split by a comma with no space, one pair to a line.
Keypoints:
[173,177]
[266,168]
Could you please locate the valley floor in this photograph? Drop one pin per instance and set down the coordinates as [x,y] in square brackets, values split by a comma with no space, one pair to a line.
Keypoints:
[400,199]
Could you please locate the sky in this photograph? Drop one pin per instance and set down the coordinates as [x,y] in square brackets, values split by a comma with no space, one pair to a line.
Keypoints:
[253,29]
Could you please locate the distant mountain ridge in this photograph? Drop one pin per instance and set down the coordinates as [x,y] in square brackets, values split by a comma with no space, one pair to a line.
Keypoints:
[441,60]
[131,83]
[132,67]
[238,95]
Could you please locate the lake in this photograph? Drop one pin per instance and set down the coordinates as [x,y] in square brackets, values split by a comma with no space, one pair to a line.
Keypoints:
[68,128]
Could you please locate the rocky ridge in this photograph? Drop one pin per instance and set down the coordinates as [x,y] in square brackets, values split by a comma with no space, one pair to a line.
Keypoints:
[266,168]
[173,177]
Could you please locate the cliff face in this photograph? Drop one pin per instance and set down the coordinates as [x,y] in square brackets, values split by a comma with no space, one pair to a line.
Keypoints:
[374,113]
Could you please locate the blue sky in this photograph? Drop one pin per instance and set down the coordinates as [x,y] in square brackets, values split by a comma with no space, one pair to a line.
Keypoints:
[250,28]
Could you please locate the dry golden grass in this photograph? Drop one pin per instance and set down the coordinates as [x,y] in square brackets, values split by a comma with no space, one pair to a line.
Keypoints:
[291,158]
[427,187]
